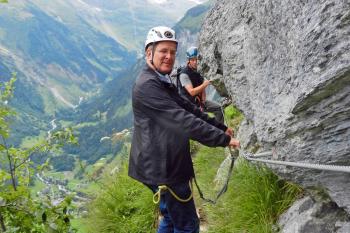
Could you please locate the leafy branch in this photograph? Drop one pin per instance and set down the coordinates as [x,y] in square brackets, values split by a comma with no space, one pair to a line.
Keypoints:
[18,210]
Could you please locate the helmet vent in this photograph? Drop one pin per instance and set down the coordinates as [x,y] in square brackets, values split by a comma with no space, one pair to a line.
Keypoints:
[168,34]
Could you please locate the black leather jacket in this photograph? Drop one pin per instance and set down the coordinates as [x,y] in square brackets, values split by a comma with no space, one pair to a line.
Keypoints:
[163,124]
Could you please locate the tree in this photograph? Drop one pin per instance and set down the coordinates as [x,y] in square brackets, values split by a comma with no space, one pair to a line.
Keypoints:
[19,212]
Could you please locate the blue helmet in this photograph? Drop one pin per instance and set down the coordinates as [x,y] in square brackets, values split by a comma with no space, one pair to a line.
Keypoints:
[192,52]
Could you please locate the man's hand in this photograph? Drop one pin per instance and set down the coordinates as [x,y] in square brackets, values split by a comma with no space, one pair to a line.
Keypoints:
[206,82]
[230,132]
[234,143]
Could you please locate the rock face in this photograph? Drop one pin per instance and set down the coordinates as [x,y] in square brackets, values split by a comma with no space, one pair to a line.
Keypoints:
[286,66]
[309,216]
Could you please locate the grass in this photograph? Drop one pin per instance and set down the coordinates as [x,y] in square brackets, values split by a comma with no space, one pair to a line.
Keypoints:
[79,225]
[55,175]
[206,164]
[233,116]
[122,205]
[30,141]
[50,102]
[72,183]
[123,110]
[65,124]
[85,124]
[254,200]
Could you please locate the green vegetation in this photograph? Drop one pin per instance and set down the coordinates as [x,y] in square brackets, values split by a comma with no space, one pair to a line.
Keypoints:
[206,163]
[254,200]
[79,225]
[30,140]
[106,113]
[19,212]
[36,187]
[123,110]
[233,118]
[50,103]
[122,206]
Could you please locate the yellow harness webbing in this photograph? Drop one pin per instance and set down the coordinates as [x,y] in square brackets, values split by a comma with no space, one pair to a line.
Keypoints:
[156,196]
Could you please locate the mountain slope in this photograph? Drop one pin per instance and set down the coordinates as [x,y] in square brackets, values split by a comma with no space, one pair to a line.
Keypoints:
[63,51]
[55,64]
[106,113]
[188,27]
[125,21]
[57,56]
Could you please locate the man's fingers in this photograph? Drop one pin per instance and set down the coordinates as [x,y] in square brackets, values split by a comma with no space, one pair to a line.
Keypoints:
[234,143]
[229,131]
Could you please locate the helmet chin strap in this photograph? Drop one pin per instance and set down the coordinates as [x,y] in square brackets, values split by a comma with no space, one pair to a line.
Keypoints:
[152,53]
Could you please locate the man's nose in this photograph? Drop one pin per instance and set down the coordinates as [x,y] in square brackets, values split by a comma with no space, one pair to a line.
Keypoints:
[170,54]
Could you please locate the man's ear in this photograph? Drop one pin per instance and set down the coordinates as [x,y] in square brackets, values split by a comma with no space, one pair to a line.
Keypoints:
[149,53]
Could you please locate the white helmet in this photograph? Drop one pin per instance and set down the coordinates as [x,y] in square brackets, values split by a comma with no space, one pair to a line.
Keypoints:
[160,33]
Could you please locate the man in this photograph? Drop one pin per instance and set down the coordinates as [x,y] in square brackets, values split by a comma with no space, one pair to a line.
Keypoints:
[163,124]
[194,85]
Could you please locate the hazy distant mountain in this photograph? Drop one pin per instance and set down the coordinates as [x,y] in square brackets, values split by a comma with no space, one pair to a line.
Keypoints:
[126,21]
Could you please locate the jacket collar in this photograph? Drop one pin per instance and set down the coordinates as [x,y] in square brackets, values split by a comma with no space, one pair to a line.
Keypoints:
[163,78]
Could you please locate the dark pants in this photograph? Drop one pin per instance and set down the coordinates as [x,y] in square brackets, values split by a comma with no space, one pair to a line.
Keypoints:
[178,217]
[214,107]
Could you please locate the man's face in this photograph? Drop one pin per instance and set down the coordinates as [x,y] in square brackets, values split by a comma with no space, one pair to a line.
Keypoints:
[193,63]
[164,56]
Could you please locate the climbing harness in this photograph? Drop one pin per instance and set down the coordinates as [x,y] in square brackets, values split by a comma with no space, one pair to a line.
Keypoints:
[325,167]
[156,196]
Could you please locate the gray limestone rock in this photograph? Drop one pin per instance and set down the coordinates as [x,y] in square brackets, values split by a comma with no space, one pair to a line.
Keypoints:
[286,65]
[307,215]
